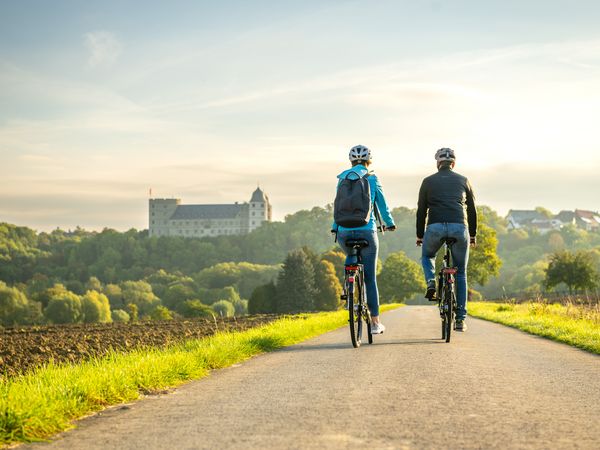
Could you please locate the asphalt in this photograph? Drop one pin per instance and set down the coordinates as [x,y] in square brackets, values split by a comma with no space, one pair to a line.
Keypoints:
[492,387]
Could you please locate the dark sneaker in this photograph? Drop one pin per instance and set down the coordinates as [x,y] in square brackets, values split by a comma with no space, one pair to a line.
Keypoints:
[460,325]
[430,294]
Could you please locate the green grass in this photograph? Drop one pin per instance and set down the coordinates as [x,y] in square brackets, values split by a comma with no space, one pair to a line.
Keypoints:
[578,326]
[47,400]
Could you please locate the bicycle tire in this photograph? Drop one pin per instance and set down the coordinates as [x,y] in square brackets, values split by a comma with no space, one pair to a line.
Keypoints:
[443,329]
[449,311]
[366,312]
[351,315]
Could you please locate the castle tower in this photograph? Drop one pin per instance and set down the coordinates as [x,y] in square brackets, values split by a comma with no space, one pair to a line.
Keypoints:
[259,209]
[160,212]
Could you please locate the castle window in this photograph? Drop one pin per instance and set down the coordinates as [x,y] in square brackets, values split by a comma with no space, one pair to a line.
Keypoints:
[153,222]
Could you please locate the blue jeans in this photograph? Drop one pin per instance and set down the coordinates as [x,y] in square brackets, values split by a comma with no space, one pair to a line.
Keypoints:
[460,258]
[369,261]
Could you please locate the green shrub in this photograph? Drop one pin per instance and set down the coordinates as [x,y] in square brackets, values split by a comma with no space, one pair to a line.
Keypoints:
[224,308]
[118,315]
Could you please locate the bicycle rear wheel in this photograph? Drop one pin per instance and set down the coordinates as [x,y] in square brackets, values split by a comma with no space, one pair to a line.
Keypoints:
[449,312]
[354,313]
[365,308]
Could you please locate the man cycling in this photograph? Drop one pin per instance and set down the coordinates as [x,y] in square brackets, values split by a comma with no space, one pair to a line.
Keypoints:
[360,157]
[446,200]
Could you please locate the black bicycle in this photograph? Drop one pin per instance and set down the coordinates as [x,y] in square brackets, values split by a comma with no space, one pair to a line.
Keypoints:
[446,291]
[355,293]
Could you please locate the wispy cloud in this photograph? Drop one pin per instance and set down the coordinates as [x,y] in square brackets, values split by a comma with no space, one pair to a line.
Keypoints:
[104,48]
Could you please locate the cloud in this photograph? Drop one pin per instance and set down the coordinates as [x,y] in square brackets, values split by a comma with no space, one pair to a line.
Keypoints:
[104,48]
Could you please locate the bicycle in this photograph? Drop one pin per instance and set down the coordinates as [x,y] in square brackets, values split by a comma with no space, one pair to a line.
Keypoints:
[446,291]
[355,293]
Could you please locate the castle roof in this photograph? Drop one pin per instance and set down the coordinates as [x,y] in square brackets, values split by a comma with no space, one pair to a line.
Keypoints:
[192,212]
[259,196]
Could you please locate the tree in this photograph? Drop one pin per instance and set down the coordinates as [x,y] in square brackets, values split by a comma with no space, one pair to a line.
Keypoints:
[95,308]
[296,284]
[65,307]
[483,259]
[338,259]
[140,294]
[263,299]
[400,279]
[224,308]
[133,311]
[178,294]
[115,296]
[13,305]
[328,287]
[575,269]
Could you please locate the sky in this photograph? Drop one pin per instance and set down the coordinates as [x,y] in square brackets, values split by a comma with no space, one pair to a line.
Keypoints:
[102,101]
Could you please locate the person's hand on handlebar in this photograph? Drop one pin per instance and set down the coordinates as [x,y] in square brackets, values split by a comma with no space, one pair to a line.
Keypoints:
[473,241]
[419,242]
[392,228]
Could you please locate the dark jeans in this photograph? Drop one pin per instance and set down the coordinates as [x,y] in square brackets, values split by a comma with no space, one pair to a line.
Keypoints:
[369,261]
[460,258]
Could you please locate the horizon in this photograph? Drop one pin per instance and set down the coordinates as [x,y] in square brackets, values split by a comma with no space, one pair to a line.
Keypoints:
[102,101]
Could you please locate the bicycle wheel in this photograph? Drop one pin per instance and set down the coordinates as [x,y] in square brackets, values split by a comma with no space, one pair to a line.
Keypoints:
[354,313]
[365,308]
[449,311]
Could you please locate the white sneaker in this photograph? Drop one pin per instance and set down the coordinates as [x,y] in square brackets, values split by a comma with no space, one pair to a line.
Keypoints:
[377,328]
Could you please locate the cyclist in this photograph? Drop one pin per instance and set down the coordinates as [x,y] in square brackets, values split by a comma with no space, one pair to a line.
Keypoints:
[446,200]
[360,158]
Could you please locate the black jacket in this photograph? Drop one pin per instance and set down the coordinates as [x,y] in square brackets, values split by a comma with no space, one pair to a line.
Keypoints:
[446,197]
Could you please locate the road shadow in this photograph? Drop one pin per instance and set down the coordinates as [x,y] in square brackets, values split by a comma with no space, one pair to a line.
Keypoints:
[348,345]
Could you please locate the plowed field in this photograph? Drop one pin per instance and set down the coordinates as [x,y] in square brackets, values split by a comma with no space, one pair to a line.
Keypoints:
[23,348]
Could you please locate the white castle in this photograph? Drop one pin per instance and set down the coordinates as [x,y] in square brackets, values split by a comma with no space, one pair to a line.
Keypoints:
[168,217]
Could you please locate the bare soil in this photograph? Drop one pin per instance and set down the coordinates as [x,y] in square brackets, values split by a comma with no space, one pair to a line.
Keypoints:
[24,348]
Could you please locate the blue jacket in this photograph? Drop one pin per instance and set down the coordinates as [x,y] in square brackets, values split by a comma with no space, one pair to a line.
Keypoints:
[377,197]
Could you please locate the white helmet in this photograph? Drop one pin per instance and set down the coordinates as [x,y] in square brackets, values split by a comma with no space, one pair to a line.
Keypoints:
[445,154]
[360,153]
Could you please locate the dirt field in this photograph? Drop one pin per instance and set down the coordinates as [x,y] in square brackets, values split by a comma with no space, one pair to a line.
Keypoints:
[23,348]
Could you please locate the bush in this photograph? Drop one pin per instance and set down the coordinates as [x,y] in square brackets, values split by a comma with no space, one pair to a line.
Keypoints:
[95,308]
[475,296]
[241,307]
[161,313]
[118,315]
[224,308]
[64,308]
[194,308]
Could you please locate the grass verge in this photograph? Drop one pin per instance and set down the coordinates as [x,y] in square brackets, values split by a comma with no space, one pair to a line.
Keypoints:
[45,401]
[578,326]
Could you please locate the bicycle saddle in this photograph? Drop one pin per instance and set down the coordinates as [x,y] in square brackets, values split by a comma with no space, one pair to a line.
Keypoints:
[357,243]
[448,241]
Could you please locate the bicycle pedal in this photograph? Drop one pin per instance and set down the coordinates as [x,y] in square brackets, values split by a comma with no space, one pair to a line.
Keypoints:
[343,297]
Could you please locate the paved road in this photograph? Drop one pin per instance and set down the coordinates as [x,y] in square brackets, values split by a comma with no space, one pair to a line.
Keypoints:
[492,387]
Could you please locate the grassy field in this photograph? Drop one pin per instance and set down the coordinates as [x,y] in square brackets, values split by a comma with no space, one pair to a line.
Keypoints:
[45,401]
[575,325]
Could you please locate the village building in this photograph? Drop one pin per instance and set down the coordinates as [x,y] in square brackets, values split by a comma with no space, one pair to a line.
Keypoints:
[168,217]
[532,219]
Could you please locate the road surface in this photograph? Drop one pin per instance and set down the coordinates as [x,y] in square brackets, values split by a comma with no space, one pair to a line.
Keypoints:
[491,387]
